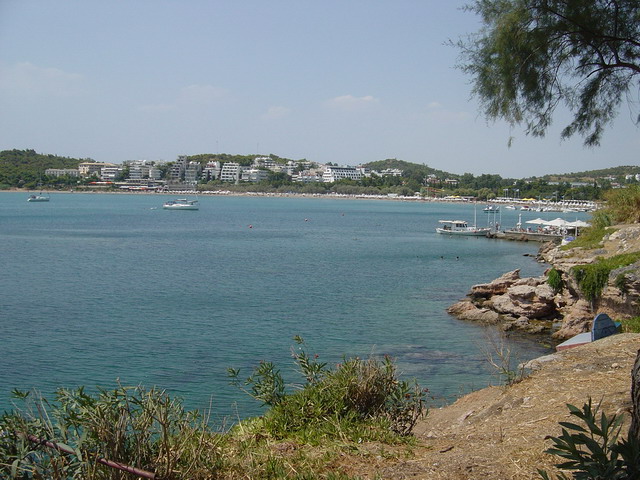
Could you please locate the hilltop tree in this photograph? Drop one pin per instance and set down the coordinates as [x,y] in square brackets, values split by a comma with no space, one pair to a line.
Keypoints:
[532,55]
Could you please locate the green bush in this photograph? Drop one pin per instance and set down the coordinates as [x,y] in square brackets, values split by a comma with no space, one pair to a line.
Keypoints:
[592,278]
[623,204]
[593,451]
[358,400]
[554,279]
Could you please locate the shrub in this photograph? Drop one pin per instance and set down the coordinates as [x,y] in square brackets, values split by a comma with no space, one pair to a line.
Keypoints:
[554,279]
[592,278]
[623,204]
[593,451]
[358,400]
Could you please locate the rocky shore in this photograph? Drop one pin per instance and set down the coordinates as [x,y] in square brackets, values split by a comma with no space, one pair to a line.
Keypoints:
[533,305]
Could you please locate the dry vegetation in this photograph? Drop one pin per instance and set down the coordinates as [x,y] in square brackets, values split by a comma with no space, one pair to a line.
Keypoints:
[499,432]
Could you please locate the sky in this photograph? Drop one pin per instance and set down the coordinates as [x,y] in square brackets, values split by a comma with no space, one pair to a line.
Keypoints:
[342,81]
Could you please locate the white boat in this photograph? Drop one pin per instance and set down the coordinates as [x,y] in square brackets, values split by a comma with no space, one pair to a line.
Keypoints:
[38,198]
[460,227]
[492,208]
[181,204]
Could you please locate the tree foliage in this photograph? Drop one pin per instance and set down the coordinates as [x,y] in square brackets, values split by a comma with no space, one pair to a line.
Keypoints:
[530,56]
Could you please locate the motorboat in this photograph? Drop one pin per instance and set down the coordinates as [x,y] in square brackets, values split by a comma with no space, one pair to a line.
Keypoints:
[491,208]
[461,227]
[38,198]
[181,204]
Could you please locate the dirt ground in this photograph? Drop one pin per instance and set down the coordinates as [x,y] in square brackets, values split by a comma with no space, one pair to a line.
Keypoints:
[499,432]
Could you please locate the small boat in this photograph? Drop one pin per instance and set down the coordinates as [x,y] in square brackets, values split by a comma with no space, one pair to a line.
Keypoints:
[491,208]
[603,326]
[460,227]
[181,204]
[510,207]
[38,198]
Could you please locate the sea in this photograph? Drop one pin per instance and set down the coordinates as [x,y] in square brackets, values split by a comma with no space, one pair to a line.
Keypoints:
[98,290]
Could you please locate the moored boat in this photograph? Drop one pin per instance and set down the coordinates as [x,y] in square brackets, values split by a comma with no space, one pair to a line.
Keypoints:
[181,204]
[38,198]
[461,227]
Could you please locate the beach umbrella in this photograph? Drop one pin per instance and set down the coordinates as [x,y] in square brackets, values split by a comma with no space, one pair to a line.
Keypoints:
[558,222]
[537,221]
[578,223]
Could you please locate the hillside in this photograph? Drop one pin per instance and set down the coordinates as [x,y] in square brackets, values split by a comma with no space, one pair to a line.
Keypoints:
[23,167]
[593,174]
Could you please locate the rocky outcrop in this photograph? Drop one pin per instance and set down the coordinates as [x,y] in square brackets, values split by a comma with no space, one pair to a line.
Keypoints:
[497,287]
[532,305]
[514,302]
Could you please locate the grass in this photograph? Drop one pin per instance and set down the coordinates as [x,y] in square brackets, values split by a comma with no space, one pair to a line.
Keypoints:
[631,325]
[589,238]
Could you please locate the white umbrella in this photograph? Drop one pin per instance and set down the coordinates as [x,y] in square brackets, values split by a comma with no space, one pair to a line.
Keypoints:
[558,222]
[578,223]
[537,221]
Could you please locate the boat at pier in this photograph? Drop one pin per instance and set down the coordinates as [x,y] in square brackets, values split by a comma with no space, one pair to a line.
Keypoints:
[461,227]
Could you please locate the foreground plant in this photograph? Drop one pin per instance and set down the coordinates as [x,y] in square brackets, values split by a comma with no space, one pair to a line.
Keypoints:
[358,400]
[85,436]
[593,451]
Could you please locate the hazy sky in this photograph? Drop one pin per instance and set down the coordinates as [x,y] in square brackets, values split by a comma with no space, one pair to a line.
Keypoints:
[342,81]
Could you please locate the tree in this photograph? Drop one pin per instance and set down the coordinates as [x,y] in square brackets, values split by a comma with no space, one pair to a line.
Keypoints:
[532,55]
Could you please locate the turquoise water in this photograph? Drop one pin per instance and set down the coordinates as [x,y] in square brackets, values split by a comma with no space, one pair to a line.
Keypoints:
[96,288]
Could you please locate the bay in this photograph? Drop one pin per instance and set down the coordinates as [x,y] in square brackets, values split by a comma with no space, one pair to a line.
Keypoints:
[100,288]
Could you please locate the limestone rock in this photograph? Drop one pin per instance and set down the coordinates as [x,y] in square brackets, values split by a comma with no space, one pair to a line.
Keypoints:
[525,301]
[496,287]
[467,310]
[576,320]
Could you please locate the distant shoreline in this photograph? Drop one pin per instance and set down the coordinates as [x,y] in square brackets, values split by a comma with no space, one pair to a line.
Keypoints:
[229,193]
[589,205]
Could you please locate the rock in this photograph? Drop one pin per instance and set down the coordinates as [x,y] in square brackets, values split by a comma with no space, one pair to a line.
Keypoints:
[525,300]
[466,310]
[537,363]
[496,287]
[577,320]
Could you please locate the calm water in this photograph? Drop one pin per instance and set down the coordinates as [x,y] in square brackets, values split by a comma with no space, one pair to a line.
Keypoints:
[96,288]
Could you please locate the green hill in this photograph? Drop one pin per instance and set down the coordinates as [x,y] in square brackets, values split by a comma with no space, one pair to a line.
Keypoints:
[26,167]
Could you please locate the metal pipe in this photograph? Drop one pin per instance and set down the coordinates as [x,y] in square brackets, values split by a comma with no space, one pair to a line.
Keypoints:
[109,463]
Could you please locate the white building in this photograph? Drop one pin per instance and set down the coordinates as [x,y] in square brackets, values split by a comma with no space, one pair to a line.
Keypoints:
[109,174]
[211,171]
[333,174]
[61,172]
[231,172]
[87,169]
[253,175]
[192,172]
[176,171]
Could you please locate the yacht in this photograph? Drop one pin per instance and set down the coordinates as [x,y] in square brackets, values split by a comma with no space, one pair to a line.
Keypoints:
[181,204]
[38,198]
[460,227]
